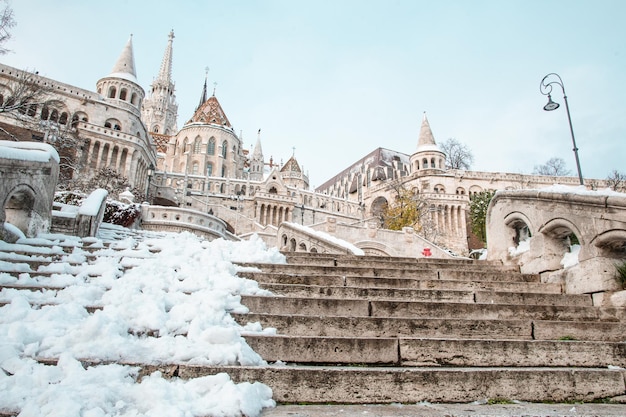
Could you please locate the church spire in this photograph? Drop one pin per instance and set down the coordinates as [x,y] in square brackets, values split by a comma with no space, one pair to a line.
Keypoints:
[160,110]
[165,73]
[203,97]
[125,64]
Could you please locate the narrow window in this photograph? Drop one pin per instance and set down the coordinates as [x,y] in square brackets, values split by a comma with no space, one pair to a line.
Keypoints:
[112,92]
[224,149]
[211,148]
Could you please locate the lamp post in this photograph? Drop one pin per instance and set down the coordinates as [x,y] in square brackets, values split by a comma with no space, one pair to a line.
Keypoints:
[546,89]
[150,173]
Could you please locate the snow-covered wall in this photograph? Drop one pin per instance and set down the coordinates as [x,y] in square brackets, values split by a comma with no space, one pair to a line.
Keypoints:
[29,173]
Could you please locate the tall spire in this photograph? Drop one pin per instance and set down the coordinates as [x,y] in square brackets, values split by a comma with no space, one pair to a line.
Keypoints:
[258,152]
[160,110]
[125,64]
[203,97]
[165,73]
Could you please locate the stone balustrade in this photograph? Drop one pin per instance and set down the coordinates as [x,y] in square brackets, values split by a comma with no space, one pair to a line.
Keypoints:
[547,221]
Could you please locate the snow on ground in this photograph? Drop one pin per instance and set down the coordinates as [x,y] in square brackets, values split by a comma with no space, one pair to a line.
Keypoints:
[183,293]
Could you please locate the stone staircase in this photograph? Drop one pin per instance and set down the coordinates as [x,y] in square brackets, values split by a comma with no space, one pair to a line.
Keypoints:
[383,330]
[364,330]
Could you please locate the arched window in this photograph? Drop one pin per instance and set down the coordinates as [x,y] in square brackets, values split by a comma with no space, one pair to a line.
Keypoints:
[210,150]
[133,99]
[194,168]
[224,149]
[223,172]
[196,145]
[63,118]
[54,116]
[45,113]
[209,169]
[123,93]
[112,92]
[425,163]
[432,163]
[32,110]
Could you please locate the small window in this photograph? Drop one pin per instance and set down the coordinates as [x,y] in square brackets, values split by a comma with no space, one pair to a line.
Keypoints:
[112,92]
[211,148]
[224,149]
[123,94]
[209,169]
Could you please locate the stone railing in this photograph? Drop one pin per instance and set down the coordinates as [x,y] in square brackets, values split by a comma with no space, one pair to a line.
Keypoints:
[174,219]
[80,221]
[535,229]
[332,236]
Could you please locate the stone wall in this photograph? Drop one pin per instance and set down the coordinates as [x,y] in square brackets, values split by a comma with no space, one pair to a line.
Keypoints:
[29,173]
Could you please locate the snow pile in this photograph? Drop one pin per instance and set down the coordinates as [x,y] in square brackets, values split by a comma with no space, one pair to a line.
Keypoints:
[179,290]
[523,246]
[28,151]
[581,190]
[571,258]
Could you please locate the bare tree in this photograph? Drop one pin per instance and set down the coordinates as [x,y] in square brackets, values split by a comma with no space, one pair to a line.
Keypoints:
[29,110]
[554,167]
[7,22]
[616,181]
[458,156]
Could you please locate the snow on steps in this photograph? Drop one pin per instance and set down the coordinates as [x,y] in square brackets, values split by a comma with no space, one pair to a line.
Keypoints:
[409,331]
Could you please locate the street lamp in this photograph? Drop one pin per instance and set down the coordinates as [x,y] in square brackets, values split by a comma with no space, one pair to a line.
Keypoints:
[150,174]
[546,89]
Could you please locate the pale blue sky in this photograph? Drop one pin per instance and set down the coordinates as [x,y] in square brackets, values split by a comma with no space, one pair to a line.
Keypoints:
[336,79]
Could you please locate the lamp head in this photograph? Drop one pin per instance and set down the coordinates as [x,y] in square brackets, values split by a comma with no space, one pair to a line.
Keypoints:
[551,104]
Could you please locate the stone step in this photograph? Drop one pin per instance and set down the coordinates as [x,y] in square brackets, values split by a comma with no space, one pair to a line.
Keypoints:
[418,309]
[338,326]
[380,385]
[418,272]
[436,352]
[327,259]
[314,291]
[405,283]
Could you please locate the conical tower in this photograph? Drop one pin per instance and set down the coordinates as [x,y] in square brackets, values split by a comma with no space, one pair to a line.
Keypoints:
[121,87]
[160,110]
[428,156]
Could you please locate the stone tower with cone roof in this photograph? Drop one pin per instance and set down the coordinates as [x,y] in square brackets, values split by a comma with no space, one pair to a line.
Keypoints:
[121,87]
[428,156]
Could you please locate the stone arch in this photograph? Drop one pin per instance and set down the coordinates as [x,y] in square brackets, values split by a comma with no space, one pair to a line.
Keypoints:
[292,244]
[519,227]
[612,243]
[378,205]
[17,208]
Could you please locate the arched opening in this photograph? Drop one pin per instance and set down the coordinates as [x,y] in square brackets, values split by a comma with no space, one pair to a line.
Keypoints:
[378,207]
[19,207]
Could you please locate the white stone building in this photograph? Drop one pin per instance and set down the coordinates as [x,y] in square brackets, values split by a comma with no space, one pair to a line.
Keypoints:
[203,166]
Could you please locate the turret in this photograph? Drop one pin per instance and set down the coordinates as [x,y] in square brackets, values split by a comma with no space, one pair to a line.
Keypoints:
[121,87]
[428,155]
